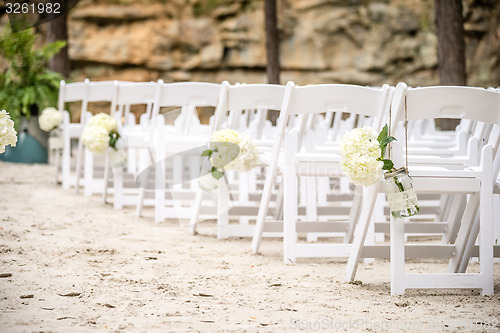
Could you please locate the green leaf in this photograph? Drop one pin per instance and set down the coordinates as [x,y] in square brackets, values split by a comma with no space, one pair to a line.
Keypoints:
[207,152]
[383,133]
[399,184]
[113,138]
[385,141]
[217,174]
[388,164]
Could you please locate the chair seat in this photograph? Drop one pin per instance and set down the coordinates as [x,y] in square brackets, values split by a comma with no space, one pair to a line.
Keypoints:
[448,171]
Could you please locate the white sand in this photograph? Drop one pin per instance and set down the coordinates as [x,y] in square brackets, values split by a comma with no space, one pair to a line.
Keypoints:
[126,274]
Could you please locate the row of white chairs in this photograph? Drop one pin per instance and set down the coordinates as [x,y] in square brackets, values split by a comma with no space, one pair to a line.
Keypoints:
[298,188]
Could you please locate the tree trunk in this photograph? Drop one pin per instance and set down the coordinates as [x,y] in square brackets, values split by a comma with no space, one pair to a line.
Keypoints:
[272,49]
[57,29]
[451,48]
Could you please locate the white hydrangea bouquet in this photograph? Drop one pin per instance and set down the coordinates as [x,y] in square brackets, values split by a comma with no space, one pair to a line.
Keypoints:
[101,135]
[229,150]
[49,121]
[8,134]
[362,151]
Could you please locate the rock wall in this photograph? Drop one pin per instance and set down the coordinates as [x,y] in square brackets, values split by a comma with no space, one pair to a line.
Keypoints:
[368,42]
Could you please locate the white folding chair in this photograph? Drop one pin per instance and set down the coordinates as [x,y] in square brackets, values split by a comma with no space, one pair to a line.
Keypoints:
[311,100]
[132,139]
[173,145]
[93,181]
[303,162]
[69,93]
[463,150]
[475,180]
[260,97]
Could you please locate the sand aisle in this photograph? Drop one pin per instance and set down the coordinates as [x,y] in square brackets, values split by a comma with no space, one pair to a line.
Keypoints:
[73,264]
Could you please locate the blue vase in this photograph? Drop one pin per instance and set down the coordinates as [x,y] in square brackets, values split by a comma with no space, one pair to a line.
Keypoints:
[31,146]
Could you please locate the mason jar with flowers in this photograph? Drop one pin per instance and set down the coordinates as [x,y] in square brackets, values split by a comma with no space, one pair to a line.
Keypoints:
[362,153]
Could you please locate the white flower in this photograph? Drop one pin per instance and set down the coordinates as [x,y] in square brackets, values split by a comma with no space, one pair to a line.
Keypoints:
[95,138]
[104,120]
[232,151]
[248,157]
[235,151]
[8,135]
[359,151]
[50,119]
[224,153]
[224,143]
[227,135]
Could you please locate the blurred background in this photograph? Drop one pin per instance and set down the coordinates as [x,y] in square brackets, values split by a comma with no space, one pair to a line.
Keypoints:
[363,42]
[367,42]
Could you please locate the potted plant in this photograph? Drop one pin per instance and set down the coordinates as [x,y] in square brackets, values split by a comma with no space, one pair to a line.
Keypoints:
[26,88]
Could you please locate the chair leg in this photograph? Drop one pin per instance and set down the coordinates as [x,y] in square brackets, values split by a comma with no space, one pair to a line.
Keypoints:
[444,204]
[140,202]
[106,178]
[311,207]
[397,256]
[486,259]
[370,238]
[353,215]
[378,216]
[457,209]
[278,208]
[263,209]
[464,232]
[142,181]
[56,164]
[471,242]
[159,191]
[88,174]
[290,203]
[222,208]
[369,199]
[79,154]
[196,211]
[118,188]
[66,156]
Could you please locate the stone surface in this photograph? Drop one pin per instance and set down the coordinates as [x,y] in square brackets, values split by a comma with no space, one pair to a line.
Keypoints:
[322,41]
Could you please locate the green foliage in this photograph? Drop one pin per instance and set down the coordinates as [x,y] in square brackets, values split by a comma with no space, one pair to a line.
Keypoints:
[27,83]
[216,173]
[113,138]
[384,139]
[383,133]
[388,164]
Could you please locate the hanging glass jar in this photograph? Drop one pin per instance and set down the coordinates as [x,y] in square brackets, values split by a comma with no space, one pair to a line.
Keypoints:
[207,182]
[117,157]
[400,193]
